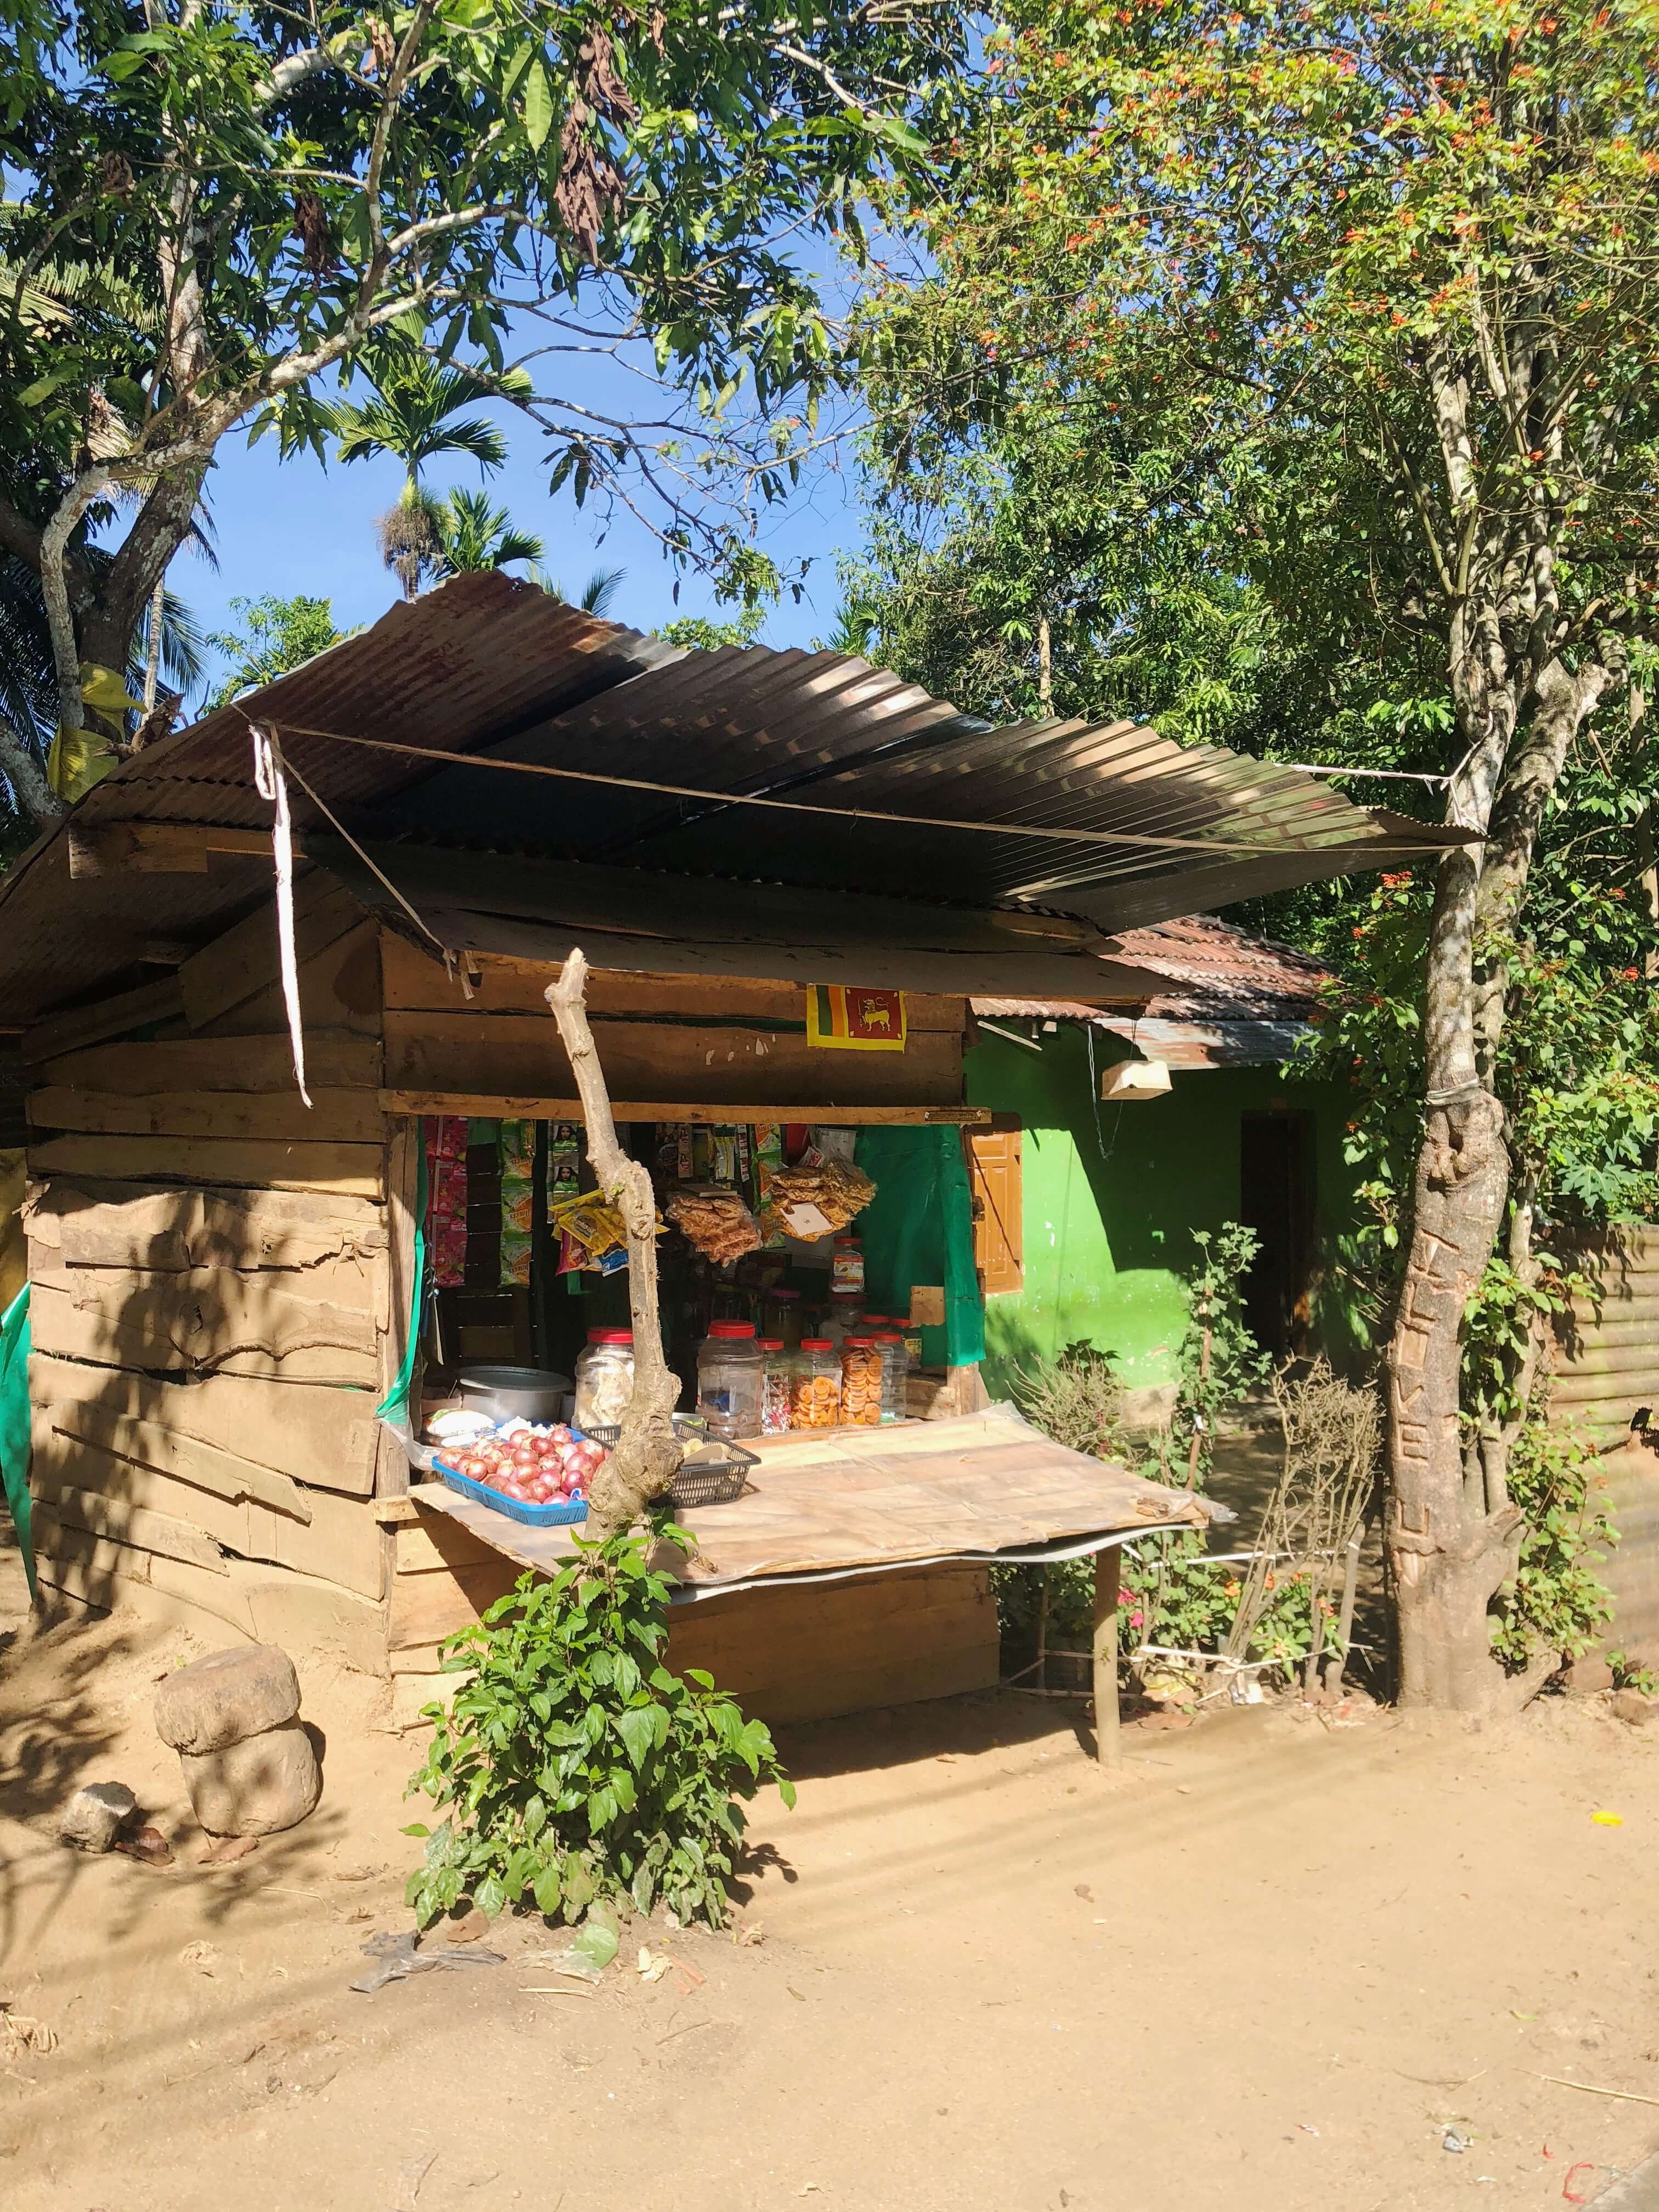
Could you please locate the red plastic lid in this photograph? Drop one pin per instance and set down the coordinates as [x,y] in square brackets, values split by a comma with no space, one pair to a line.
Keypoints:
[731,1330]
[815,1344]
[783,1291]
[611,1336]
[770,1343]
[860,1339]
[890,1336]
[878,1321]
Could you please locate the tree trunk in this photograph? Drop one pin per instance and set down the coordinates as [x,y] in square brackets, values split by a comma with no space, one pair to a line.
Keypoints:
[1453,1535]
[647,1453]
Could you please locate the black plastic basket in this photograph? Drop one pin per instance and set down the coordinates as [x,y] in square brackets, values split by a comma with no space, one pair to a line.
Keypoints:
[716,1472]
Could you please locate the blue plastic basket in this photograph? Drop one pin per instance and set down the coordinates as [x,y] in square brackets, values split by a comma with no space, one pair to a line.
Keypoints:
[536,1517]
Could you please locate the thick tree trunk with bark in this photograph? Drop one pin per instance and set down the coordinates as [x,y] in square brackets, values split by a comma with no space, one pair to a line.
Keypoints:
[1453,1535]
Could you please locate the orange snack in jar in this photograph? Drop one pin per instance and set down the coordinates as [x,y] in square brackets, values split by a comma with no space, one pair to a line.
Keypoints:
[815,1386]
[861,1372]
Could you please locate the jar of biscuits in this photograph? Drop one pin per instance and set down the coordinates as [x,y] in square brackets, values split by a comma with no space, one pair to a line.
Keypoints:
[815,1385]
[862,1373]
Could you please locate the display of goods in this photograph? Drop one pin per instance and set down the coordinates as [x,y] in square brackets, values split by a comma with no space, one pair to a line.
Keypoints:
[550,1466]
[775,1387]
[604,1379]
[515,1256]
[518,1205]
[445,1184]
[818,1196]
[862,1368]
[716,1222]
[517,1143]
[815,1386]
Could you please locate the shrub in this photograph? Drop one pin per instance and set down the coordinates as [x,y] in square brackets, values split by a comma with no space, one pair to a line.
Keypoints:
[578,1766]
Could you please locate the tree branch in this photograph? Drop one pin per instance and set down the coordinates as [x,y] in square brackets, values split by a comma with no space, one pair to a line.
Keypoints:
[647,1453]
[26,778]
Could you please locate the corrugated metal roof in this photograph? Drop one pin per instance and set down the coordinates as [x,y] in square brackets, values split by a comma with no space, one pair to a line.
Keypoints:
[638,920]
[1239,1000]
[496,669]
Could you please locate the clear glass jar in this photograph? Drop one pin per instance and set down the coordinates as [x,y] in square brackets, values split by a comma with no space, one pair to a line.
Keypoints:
[777,1379]
[781,1314]
[729,1365]
[815,1385]
[605,1378]
[895,1375]
[844,1317]
[847,1265]
[862,1368]
[913,1346]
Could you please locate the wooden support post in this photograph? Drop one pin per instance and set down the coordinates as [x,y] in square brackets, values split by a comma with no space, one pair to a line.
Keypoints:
[1108,1741]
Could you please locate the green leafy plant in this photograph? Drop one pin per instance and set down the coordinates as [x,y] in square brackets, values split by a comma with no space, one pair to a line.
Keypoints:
[1629,1673]
[1556,1601]
[576,1765]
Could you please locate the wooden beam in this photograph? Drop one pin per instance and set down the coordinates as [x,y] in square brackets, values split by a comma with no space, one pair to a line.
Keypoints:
[158,848]
[334,1115]
[344,1170]
[1108,1737]
[161,1001]
[493,1108]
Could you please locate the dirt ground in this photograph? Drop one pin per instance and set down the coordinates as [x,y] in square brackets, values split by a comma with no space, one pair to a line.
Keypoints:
[1268,1967]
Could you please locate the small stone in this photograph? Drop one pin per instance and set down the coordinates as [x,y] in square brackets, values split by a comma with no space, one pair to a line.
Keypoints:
[229,1695]
[1630,1705]
[95,1815]
[265,1783]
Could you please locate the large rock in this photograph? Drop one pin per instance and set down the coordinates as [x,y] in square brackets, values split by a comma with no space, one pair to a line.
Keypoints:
[266,1783]
[229,1695]
[95,1816]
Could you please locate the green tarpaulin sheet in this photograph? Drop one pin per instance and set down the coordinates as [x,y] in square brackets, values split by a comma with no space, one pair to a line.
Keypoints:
[14,1422]
[919,1228]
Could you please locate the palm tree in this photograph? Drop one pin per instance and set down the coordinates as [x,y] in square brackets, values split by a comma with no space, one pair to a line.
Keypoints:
[596,594]
[473,534]
[414,414]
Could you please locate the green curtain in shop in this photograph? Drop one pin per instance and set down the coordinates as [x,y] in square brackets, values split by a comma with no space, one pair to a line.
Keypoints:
[919,1228]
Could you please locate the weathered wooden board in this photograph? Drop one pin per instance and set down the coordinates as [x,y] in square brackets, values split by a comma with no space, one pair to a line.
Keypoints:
[313,1621]
[59,1434]
[520,1053]
[312,1433]
[339,991]
[333,1116]
[246,959]
[490,1104]
[98,1513]
[159,848]
[338,1539]
[412,981]
[346,1171]
[97,1225]
[110,1017]
[809,1654]
[209,1322]
[426,1607]
[334,1059]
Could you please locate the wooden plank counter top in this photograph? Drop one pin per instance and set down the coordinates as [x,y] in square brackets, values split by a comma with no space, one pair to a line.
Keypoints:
[844,1501]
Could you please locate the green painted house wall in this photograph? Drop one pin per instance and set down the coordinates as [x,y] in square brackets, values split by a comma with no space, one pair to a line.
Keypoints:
[1113,1192]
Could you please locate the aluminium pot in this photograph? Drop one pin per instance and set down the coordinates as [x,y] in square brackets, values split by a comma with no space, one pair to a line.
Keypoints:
[528,1394]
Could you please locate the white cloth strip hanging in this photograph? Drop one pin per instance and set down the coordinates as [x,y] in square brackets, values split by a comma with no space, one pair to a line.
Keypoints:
[273,784]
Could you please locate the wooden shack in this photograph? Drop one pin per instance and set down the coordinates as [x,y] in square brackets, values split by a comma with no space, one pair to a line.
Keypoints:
[222,1275]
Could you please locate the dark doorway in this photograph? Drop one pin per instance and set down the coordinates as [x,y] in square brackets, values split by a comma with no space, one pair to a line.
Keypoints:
[1276,1200]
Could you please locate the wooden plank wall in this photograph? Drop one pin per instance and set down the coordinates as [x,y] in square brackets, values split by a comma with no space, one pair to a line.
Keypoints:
[1606,1373]
[218,1275]
[689,1040]
[789,1654]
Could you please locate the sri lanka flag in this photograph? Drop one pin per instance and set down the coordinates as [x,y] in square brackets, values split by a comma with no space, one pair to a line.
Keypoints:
[855,1020]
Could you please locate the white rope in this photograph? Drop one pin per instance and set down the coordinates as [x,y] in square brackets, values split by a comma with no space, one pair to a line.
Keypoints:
[323,808]
[273,784]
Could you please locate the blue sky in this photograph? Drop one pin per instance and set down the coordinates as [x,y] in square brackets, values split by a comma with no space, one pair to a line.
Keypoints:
[292,527]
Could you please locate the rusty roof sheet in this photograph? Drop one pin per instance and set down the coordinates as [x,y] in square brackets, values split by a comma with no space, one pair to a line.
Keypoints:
[906,793]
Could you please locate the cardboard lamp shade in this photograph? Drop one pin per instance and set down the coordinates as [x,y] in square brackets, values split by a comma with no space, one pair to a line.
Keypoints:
[1135,1079]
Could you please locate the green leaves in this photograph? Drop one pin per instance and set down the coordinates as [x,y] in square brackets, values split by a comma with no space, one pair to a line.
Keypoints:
[569,1777]
[537,103]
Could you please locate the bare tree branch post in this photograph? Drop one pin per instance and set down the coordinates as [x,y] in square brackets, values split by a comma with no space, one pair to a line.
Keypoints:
[647,1453]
